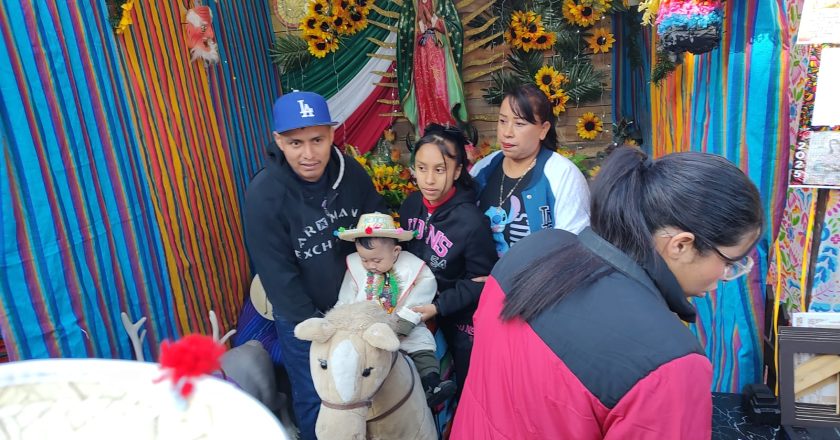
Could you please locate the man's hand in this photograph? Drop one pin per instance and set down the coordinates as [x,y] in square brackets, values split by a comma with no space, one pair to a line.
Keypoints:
[481,279]
[427,311]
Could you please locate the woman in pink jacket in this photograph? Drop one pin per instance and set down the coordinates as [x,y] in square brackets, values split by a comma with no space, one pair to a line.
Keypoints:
[582,337]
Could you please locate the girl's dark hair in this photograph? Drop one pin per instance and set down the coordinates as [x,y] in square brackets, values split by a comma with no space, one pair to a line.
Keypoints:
[528,102]
[447,137]
[632,198]
[368,242]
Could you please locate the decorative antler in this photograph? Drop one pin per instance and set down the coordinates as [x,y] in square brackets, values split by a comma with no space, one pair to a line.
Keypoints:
[131,329]
[214,324]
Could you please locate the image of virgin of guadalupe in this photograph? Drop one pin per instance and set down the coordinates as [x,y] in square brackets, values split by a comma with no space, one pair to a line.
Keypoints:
[429,52]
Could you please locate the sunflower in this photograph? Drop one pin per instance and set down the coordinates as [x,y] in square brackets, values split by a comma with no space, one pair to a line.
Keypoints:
[533,27]
[363,6]
[544,41]
[601,40]
[321,45]
[584,13]
[315,25]
[512,37]
[547,78]
[357,18]
[586,16]
[317,7]
[589,125]
[342,23]
[558,101]
[568,7]
[520,19]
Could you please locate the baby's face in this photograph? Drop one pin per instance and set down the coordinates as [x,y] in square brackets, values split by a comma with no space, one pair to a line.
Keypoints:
[381,258]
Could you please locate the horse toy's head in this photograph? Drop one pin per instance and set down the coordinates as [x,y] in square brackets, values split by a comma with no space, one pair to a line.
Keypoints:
[353,355]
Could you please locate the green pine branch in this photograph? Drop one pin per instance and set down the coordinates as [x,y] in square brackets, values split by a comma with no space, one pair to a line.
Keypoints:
[503,82]
[290,53]
[663,67]
[585,84]
[526,64]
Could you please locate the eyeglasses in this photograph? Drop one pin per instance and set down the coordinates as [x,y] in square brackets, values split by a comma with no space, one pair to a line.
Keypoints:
[735,268]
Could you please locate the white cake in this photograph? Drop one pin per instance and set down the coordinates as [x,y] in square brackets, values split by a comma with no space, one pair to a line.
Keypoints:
[114,399]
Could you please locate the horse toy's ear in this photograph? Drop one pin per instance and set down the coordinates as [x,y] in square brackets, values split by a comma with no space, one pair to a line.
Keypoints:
[381,336]
[315,329]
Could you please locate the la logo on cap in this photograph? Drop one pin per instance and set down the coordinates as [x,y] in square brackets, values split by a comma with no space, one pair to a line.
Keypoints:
[305,110]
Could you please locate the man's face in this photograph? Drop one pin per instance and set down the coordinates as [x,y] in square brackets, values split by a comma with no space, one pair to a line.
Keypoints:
[307,150]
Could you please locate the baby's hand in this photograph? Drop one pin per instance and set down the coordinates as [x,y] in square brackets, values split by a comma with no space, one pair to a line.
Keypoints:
[426,311]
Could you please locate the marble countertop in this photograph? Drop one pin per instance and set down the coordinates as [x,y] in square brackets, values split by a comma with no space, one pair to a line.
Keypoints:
[729,422]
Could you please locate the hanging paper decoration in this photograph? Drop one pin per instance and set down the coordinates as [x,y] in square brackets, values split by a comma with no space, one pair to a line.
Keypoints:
[689,25]
[200,35]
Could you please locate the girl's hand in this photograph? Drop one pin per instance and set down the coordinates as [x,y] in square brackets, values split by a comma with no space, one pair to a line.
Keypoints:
[427,311]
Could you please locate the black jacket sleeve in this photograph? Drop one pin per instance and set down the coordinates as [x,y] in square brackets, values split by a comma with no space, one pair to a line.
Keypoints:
[480,257]
[273,256]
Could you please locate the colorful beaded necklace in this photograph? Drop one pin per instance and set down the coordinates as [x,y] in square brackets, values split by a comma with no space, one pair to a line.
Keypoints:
[384,289]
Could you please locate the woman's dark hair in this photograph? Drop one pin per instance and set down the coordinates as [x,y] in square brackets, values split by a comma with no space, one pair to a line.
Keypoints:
[368,242]
[445,137]
[632,198]
[528,102]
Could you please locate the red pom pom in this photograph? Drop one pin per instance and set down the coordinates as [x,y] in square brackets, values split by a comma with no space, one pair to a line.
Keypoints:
[190,357]
[368,230]
[187,389]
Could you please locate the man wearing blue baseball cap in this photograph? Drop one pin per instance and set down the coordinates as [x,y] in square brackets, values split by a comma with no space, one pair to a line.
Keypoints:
[307,190]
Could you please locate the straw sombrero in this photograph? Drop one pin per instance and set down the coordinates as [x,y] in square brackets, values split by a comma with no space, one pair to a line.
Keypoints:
[376,224]
[260,300]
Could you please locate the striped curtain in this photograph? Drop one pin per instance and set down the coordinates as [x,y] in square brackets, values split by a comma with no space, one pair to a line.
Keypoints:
[734,102]
[124,167]
[631,72]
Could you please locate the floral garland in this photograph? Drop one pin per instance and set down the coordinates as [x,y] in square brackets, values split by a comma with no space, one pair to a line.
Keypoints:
[384,289]
[326,21]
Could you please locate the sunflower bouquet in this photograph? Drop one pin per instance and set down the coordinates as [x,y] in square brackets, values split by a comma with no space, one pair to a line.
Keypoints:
[551,82]
[392,180]
[326,21]
[527,32]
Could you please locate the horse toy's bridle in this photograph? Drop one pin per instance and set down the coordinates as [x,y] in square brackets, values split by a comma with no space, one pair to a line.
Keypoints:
[369,401]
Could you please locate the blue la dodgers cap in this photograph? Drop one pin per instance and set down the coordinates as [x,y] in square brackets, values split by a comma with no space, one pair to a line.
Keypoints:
[300,109]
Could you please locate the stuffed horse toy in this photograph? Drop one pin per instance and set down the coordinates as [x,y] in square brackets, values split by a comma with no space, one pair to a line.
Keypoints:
[368,388]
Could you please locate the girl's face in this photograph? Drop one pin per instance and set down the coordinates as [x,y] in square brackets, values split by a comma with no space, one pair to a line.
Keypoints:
[519,138]
[435,173]
[699,273]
